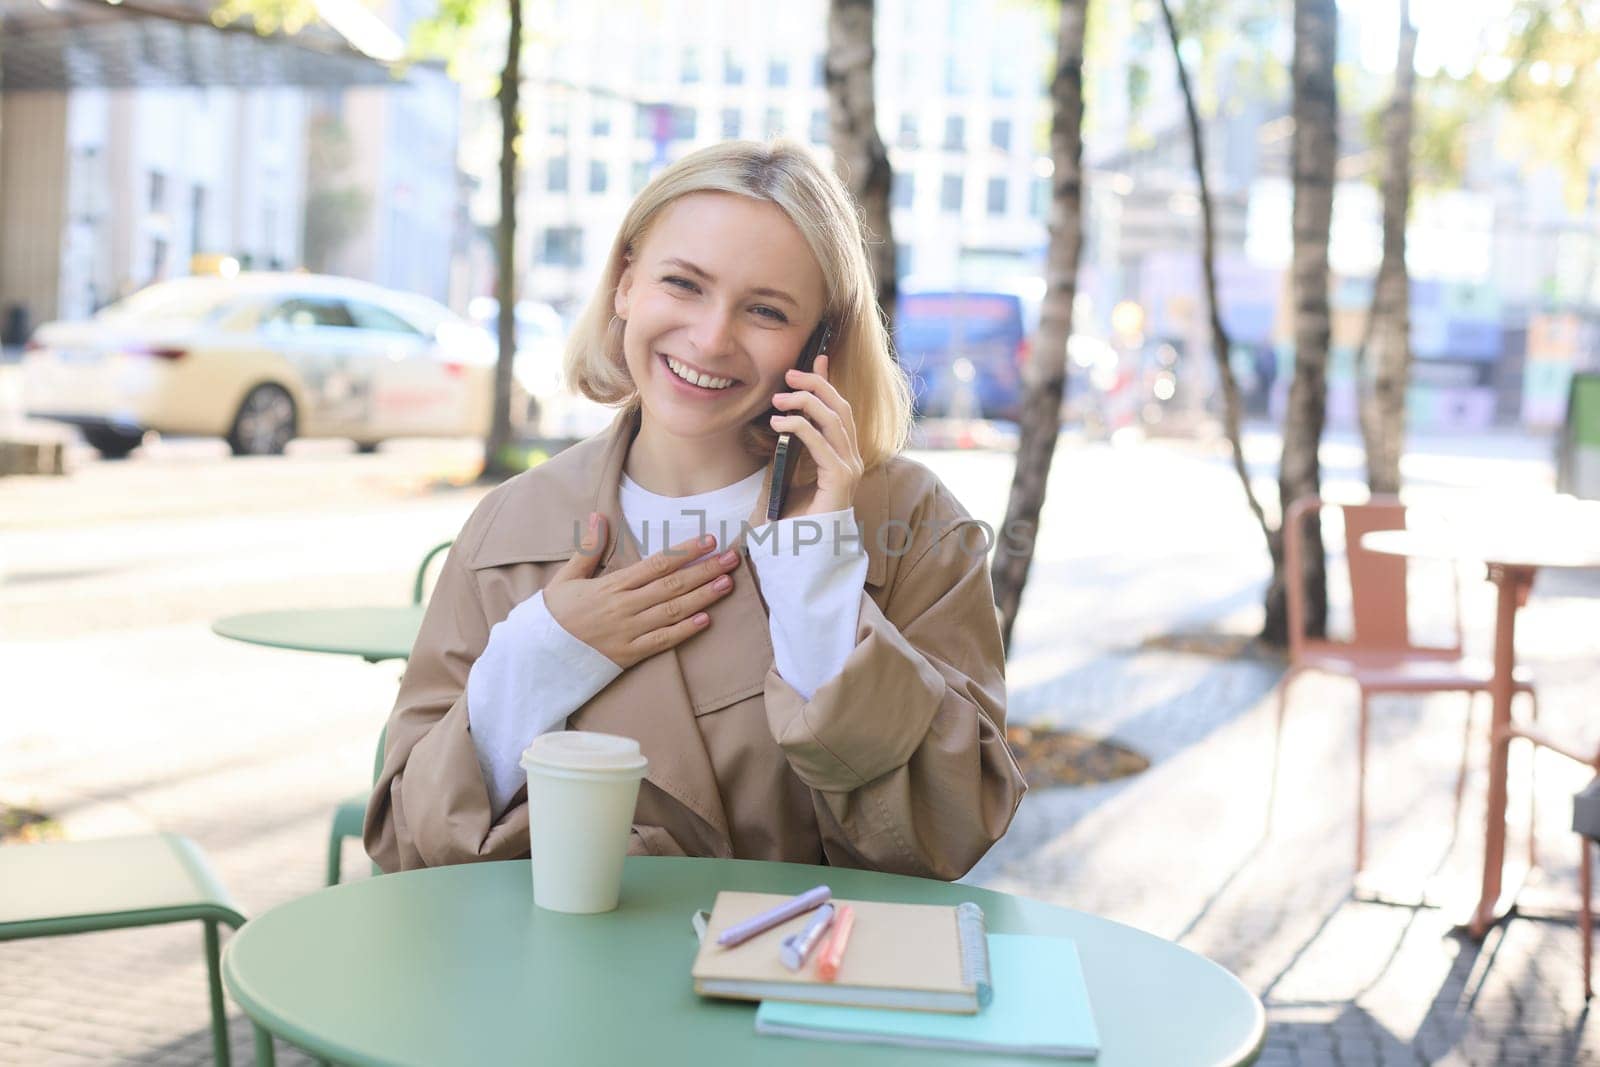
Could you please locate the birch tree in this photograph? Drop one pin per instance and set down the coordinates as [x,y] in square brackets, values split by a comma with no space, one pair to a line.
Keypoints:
[859,156]
[1044,377]
[1315,109]
[1384,359]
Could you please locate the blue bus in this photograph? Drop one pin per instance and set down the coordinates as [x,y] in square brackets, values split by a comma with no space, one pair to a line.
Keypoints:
[964,349]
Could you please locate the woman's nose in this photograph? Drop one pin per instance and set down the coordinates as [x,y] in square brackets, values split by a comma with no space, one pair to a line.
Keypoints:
[712,331]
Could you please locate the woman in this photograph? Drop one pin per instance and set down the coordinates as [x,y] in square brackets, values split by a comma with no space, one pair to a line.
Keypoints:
[826,688]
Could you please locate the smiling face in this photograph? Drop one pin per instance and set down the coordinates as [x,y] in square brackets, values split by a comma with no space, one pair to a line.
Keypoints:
[719,300]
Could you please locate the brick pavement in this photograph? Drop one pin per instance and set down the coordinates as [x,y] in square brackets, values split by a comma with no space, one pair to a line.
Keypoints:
[1183,851]
[249,752]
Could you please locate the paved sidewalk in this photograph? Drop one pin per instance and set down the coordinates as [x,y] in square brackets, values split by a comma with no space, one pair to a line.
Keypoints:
[247,750]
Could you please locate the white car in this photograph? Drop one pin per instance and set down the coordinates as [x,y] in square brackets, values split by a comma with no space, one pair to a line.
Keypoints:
[261,359]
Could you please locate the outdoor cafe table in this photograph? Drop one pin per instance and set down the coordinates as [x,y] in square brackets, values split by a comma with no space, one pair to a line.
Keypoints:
[1513,550]
[455,965]
[373,633]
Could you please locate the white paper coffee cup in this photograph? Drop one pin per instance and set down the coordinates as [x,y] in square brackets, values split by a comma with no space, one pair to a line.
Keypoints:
[582,788]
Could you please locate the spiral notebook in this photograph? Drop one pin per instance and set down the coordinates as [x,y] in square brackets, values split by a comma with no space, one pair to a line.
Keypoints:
[922,957]
[1040,1008]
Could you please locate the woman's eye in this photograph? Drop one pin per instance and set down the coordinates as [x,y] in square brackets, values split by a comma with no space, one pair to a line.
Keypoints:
[682,283]
[772,313]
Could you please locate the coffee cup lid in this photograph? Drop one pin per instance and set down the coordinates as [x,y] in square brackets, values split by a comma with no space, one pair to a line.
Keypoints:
[581,750]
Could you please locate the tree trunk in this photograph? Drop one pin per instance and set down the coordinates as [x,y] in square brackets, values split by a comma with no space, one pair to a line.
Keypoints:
[1045,376]
[1316,148]
[495,467]
[1384,363]
[859,156]
[1221,346]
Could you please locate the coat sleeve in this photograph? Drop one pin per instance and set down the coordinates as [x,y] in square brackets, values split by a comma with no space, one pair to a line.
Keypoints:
[430,805]
[904,750]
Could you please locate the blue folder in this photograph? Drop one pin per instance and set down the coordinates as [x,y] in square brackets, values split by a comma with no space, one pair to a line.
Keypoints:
[1040,1008]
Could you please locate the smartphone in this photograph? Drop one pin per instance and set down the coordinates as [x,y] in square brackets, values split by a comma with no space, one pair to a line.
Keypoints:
[784,456]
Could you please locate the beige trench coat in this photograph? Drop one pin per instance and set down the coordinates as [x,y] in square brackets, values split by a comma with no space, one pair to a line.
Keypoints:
[899,763]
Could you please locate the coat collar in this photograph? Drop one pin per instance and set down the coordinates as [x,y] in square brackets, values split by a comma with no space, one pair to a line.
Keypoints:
[541,516]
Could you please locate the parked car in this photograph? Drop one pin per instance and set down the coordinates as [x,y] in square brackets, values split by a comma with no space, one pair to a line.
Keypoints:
[964,349]
[553,410]
[260,359]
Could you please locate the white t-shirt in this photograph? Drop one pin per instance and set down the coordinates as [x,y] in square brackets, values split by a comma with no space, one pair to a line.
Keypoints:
[533,674]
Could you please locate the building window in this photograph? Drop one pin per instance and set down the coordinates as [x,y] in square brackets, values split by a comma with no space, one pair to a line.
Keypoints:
[997,196]
[562,246]
[158,259]
[819,126]
[902,260]
[903,189]
[774,122]
[644,122]
[950,194]
[158,191]
[955,132]
[778,73]
[683,123]
[1000,134]
[819,71]
[732,69]
[640,177]
[558,122]
[598,176]
[732,123]
[1041,198]
[908,131]
[556,174]
[691,66]
[600,126]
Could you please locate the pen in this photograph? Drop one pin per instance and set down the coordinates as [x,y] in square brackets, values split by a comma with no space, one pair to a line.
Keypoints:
[796,947]
[801,904]
[833,953]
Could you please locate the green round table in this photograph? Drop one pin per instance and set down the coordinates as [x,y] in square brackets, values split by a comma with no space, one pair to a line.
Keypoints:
[454,965]
[373,633]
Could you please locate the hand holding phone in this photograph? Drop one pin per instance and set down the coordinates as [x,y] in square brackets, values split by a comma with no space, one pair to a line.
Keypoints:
[783,458]
[815,416]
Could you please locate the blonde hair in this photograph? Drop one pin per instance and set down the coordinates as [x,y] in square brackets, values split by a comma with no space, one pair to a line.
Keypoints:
[783,173]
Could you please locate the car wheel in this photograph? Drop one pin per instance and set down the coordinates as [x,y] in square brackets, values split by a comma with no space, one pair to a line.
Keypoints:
[265,424]
[112,443]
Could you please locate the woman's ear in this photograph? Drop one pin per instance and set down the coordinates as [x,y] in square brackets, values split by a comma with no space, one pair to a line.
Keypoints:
[619,300]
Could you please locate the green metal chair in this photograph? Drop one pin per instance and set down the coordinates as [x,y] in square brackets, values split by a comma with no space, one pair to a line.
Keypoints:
[350,817]
[57,888]
[351,813]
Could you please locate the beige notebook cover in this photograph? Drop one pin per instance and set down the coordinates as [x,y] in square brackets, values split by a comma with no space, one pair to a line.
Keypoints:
[899,956]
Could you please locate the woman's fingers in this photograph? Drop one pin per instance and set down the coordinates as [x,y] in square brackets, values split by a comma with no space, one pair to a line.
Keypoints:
[823,452]
[833,426]
[679,608]
[664,564]
[657,641]
[583,561]
[816,382]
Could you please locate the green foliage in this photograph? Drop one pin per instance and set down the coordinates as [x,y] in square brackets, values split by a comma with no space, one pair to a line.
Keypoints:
[1445,108]
[267,16]
[446,34]
[1541,61]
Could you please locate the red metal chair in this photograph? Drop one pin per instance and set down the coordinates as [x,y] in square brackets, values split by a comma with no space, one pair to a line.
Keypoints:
[1380,656]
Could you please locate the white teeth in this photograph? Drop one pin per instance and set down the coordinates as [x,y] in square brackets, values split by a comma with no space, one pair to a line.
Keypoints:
[704,381]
